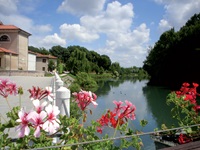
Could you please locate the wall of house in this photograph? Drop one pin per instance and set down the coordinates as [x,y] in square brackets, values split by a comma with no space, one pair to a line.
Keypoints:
[31,62]
[9,62]
[1,61]
[13,43]
[23,52]
[41,65]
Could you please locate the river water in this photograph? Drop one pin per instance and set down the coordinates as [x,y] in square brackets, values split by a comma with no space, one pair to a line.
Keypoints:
[150,102]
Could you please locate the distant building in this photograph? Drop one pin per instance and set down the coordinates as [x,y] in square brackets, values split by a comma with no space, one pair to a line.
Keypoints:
[13,48]
[14,54]
[42,61]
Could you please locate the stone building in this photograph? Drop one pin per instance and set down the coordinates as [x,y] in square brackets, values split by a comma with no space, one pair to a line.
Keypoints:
[13,48]
[14,53]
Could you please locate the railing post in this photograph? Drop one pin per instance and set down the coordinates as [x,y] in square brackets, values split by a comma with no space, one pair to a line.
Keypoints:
[62,96]
[63,100]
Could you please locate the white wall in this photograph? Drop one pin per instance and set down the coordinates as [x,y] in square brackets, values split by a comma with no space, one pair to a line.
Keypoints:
[31,62]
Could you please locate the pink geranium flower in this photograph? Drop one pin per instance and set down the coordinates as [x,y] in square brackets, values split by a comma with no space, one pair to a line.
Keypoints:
[37,120]
[84,98]
[23,127]
[7,88]
[37,105]
[52,123]
[49,93]
[118,107]
[38,93]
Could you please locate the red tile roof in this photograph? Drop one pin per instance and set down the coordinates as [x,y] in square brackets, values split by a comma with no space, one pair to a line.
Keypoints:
[4,50]
[32,52]
[11,27]
[7,27]
[45,56]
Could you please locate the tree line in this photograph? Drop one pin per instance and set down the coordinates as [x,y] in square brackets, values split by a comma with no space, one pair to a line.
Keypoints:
[79,59]
[175,57]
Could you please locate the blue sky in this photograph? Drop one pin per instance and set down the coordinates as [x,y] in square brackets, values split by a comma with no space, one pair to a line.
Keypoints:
[122,29]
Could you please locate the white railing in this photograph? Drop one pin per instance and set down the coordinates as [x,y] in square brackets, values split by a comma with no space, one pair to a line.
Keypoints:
[62,96]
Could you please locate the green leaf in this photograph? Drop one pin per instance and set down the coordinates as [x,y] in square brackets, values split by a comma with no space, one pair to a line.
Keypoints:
[143,123]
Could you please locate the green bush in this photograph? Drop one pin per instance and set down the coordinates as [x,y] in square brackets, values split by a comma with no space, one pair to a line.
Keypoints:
[86,82]
[74,87]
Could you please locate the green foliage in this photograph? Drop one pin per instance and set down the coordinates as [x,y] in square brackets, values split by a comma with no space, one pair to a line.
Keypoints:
[80,133]
[183,110]
[74,87]
[60,68]
[85,81]
[143,123]
[60,52]
[51,65]
[165,63]
[115,74]
[78,62]
[39,50]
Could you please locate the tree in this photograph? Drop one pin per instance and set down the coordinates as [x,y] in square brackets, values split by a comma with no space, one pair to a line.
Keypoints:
[39,50]
[60,52]
[115,67]
[51,65]
[105,62]
[175,57]
[78,62]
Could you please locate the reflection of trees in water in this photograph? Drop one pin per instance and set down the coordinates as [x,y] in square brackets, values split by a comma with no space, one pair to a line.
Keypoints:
[104,86]
[156,101]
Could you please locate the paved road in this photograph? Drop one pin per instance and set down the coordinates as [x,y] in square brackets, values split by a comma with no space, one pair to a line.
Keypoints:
[26,83]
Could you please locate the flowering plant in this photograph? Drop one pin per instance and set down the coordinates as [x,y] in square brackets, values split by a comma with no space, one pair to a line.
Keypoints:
[40,126]
[186,111]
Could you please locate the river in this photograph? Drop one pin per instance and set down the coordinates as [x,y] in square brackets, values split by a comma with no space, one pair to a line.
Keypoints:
[150,102]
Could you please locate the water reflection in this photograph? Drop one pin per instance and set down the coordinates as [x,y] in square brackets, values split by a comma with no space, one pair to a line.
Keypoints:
[156,99]
[149,101]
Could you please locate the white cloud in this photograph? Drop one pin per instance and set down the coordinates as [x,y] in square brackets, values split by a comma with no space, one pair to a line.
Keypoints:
[164,25]
[8,7]
[77,32]
[20,21]
[42,28]
[81,7]
[177,12]
[123,44]
[116,18]
[126,45]
[128,48]
[52,40]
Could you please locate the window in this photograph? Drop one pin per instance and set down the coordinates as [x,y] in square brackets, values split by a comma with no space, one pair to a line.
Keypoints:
[44,60]
[4,38]
[43,68]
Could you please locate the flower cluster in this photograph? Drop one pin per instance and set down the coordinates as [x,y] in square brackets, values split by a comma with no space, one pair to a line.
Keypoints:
[118,116]
[44,116]
[190,94]
[7,88]
[38,93]
[42,122]
[84,98]
[182,139]
[41,118]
